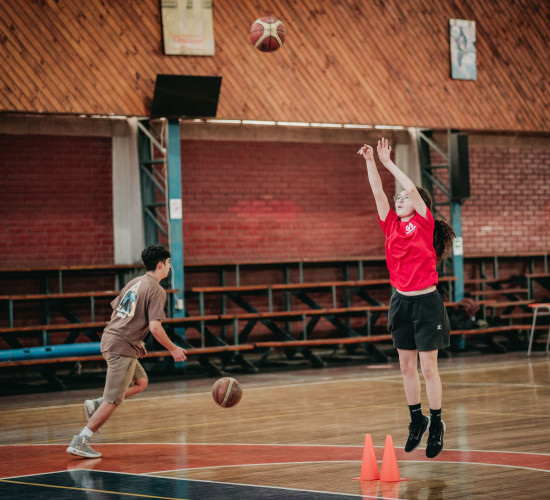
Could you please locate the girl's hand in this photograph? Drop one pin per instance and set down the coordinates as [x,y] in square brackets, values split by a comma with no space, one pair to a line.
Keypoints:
[384,150]
[367,152]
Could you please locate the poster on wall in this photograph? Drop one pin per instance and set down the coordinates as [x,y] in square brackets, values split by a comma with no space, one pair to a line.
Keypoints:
[462,38]
[188,27]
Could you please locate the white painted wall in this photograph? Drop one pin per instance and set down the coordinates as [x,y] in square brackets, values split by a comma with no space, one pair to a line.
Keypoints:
[406,158]
[129,239]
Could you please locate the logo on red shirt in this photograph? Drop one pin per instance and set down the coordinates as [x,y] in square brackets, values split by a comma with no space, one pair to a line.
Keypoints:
[410,228]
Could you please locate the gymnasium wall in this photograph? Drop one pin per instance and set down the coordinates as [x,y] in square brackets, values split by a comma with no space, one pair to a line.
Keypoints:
[293,200]
[509,209]
[508,212]
[271,200]
[254,200]
[55,200]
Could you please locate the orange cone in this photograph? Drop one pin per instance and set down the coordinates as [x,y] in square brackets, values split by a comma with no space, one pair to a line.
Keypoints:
[390,470]
[369,466]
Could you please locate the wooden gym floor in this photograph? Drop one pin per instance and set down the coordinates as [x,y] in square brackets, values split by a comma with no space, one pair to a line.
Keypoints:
[294,435]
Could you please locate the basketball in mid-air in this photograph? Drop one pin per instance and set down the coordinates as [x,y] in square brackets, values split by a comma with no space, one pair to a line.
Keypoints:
[227,392]
[267,34]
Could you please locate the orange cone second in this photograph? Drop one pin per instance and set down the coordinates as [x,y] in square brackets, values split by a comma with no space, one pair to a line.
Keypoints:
[390,470]
[369,466]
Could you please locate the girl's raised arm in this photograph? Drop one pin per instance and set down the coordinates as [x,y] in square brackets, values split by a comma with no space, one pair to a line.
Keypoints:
[384,151]
[380,198]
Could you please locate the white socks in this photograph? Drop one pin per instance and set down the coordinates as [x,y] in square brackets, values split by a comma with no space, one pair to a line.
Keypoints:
[86,433]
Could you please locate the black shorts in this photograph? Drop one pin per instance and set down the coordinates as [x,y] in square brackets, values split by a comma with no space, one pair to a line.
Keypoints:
[419,322]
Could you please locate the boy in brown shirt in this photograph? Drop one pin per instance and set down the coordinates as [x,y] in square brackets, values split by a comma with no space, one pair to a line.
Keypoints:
[138,309]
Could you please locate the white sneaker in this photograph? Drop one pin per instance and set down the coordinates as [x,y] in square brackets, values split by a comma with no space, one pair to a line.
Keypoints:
[80,447]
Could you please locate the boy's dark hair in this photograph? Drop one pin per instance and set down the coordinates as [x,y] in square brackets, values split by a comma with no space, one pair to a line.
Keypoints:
[152,255]
[444,233]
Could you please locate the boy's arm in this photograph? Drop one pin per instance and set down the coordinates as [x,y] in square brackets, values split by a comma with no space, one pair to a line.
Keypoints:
[160,334]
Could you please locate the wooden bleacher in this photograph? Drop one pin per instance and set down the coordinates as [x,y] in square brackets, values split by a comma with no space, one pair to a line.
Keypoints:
[49,299]
[296,317]
[359,287]
[59,279]
[62,302]
[296,270]
[301,345]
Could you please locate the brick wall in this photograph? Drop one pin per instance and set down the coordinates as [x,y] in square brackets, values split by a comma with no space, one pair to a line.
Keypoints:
[508,211]
[509,208]
[252,200]
[255,201]
[279,200]
[55,200]
[249,201]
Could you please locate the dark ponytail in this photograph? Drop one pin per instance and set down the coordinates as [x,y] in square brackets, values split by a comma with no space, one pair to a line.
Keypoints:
[444,233]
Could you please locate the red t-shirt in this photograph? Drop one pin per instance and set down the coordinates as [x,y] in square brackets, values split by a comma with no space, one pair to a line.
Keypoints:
[410,254]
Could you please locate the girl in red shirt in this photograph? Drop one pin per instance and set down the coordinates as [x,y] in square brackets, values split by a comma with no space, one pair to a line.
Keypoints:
[417,318]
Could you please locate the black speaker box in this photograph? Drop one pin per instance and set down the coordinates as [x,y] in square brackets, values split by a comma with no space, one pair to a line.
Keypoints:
[186,96]
[459,166]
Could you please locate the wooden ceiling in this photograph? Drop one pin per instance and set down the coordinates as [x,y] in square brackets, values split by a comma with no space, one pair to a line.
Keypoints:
[383,62]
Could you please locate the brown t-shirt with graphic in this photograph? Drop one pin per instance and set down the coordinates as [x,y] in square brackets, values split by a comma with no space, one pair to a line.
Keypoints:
[142,300]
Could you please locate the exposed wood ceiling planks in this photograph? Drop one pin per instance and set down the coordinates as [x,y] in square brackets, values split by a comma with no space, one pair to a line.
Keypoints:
[370,62]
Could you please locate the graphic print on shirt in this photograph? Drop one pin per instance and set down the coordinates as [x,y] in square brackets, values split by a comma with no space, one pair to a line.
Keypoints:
[410,228]
[127,306]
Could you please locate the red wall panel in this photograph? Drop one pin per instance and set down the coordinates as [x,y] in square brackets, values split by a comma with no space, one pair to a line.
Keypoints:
[56,200]
[254,201]
[509,208]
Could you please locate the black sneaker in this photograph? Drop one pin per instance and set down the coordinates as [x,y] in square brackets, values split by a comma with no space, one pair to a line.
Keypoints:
[416,433]
[435,441]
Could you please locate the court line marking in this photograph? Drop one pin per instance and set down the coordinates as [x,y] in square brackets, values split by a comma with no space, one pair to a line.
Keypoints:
[73,488]
[261,486]
[259,464]
[346,408]
[179,395]
[494,366]
[281,445]
[31,475]
[427,461]
[488,465]
[223,482]
[152,475]
[342,461]
[499,384]
[156,473]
